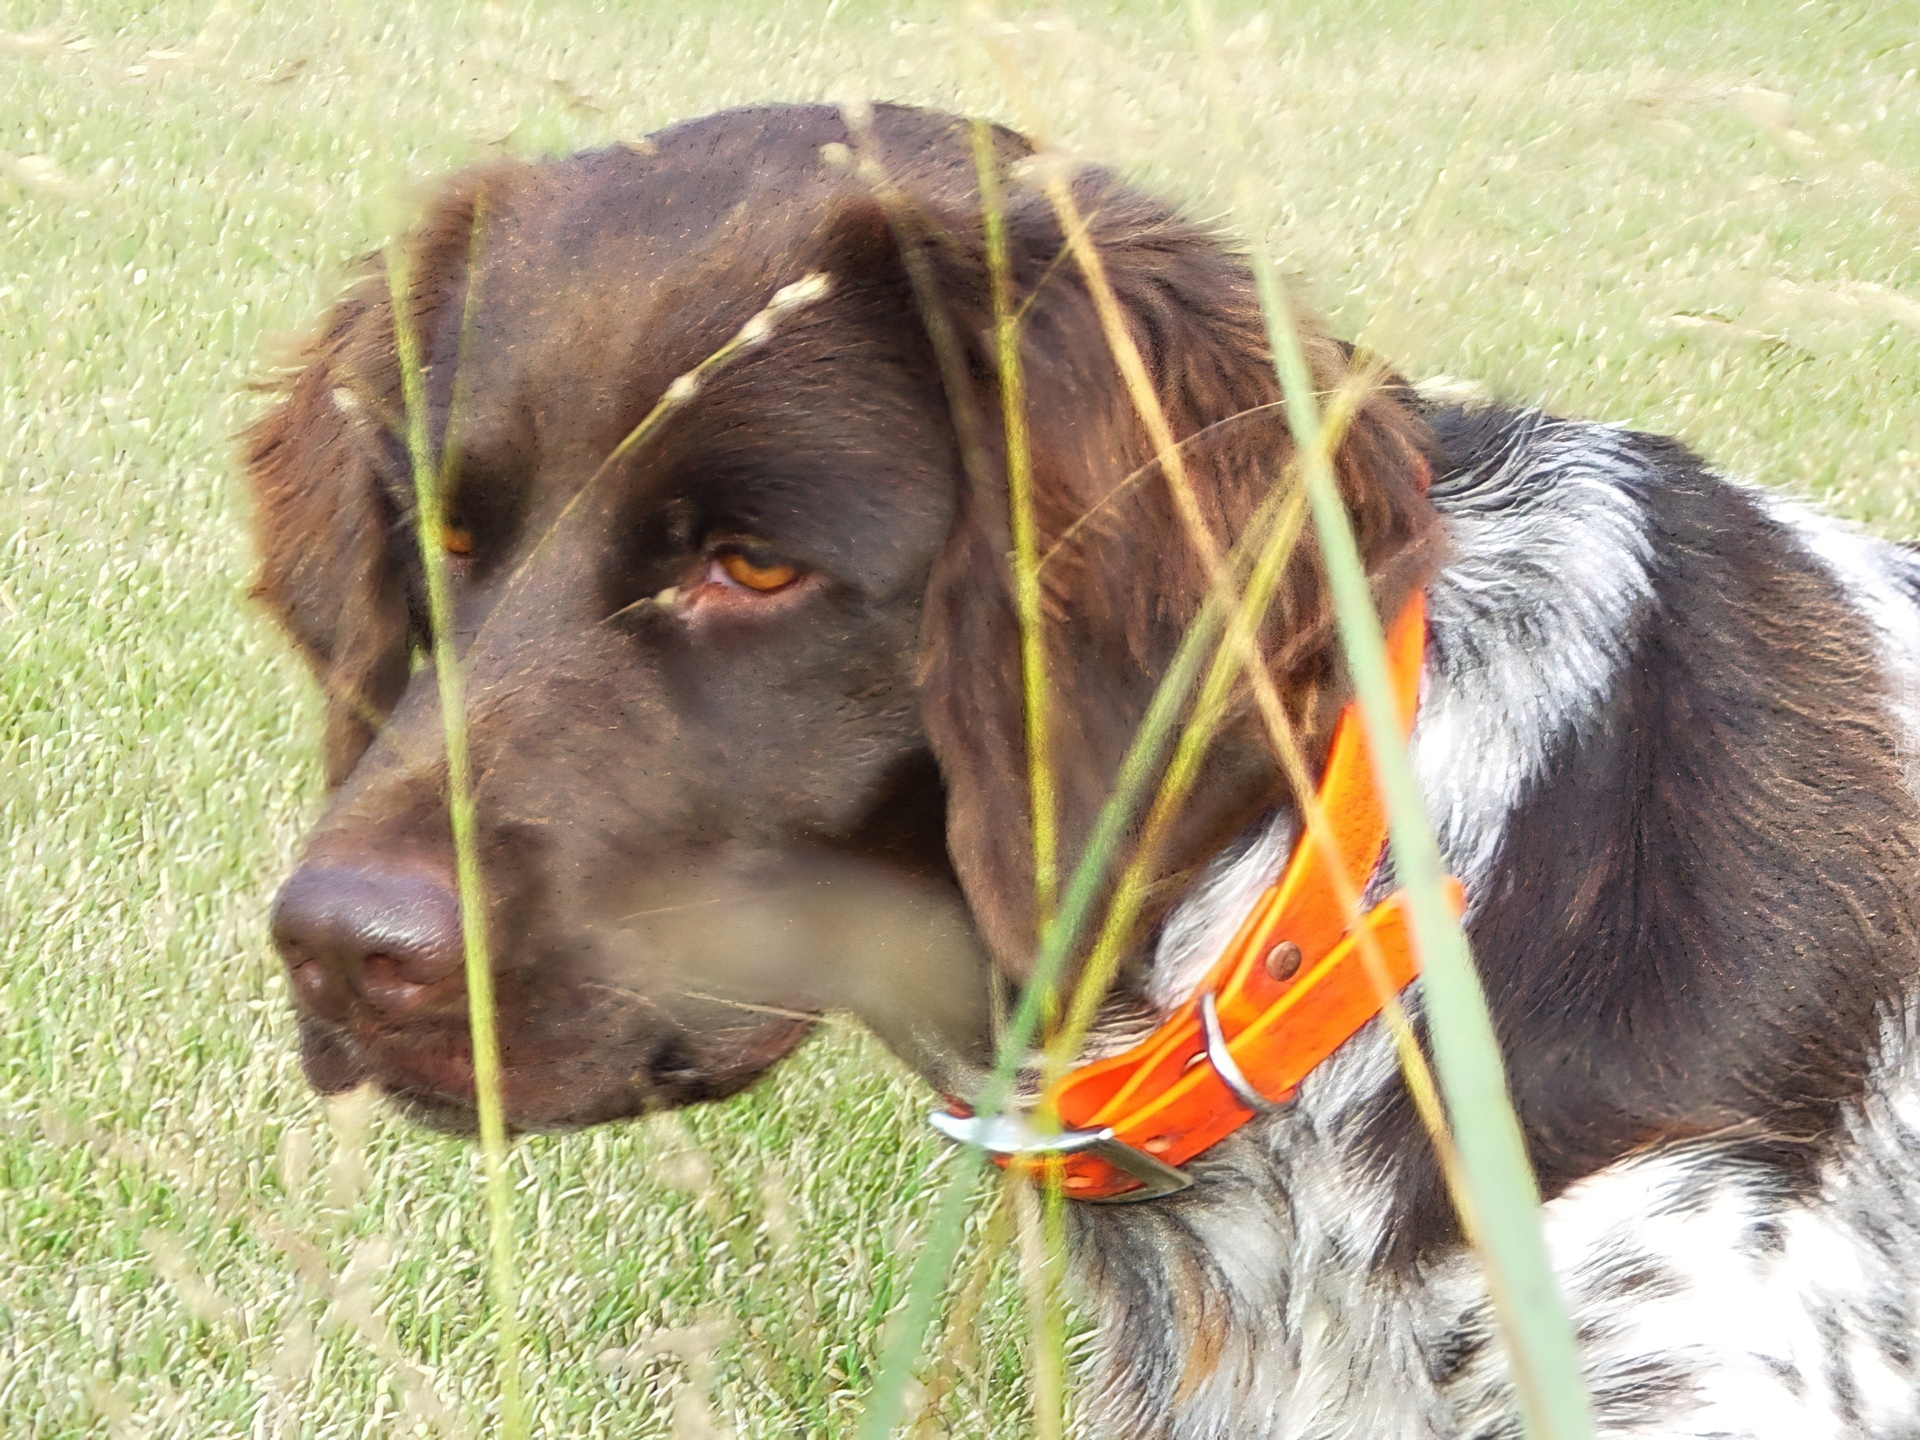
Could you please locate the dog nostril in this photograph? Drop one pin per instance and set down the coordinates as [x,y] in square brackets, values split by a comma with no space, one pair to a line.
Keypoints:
[320,989]
[385,932]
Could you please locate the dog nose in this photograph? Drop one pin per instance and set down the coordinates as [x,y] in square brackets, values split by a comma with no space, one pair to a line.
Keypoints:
[387,934]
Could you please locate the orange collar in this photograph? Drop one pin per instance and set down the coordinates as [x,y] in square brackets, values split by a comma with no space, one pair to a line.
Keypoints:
[1246,1039]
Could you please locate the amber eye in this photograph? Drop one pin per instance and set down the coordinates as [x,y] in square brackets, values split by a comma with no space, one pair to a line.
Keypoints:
[743,571]
[456,542]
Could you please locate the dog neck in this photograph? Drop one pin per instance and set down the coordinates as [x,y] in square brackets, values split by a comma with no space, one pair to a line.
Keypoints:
[1256,1293]
[1261,1291]
[1281,1295]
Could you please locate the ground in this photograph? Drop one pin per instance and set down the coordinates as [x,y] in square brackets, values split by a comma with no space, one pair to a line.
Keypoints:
[1689,217]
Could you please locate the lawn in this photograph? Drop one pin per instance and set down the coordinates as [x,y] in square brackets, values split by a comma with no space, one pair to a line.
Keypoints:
[1692,217]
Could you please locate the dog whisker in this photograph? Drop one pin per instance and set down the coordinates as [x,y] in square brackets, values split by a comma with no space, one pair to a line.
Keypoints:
[756,1009]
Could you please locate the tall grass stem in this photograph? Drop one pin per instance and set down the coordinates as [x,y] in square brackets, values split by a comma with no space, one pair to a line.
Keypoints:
[1203,642]
[1504,1202]
[1026,548]
[430,521]
[1044,1263]
[1486,1164]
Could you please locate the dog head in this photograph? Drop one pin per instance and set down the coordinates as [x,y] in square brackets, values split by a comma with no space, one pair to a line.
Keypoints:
[743,706]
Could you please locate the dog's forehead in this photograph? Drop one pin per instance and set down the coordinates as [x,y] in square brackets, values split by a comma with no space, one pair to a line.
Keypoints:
[591,298]
[587,281]
[604,278]
[635,261]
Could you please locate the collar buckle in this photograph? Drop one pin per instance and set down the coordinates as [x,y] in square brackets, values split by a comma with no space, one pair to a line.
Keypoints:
[1009,1137]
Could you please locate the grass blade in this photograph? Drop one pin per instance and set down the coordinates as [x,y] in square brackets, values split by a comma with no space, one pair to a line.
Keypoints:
[1026,549]
[1041,1253]
[1240,653]
[1487,1166]
[1216,627]
[1104,843]
[429,524]
[909,1326]
[1042,1244]
[1493,1159]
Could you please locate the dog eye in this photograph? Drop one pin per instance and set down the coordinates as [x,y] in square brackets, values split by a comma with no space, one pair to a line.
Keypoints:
[742,571]
[456,541]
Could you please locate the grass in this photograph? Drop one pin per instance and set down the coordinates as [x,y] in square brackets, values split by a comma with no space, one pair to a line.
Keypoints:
[1689,217]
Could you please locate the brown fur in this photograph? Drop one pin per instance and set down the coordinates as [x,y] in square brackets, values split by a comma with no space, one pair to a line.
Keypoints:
[567,348]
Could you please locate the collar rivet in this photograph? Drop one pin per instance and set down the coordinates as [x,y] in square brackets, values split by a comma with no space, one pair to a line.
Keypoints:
[1283,961]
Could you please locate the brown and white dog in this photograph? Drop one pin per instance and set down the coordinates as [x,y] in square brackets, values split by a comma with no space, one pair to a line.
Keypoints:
[746,718]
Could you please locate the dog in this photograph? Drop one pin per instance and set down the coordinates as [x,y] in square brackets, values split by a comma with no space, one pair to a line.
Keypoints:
[746,719]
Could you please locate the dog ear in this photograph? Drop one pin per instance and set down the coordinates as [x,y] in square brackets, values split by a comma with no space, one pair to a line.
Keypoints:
[1121,580]
[321,525]
[332,558]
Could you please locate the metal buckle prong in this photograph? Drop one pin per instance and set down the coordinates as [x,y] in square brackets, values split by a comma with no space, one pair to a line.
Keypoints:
[1227,1068]
[1013,1137]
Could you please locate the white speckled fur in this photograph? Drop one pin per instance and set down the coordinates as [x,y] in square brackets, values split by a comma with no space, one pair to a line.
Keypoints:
[1709,1303]
[1529,619]
[1529,661]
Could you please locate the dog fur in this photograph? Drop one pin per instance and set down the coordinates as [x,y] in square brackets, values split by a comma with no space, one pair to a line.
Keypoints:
[1756,1280]
[1669,735]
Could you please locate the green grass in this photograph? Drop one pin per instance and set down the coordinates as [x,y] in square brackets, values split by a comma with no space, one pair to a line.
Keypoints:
[1697,218]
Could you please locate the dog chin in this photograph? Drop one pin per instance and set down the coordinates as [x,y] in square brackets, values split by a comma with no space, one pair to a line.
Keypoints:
[431,1083]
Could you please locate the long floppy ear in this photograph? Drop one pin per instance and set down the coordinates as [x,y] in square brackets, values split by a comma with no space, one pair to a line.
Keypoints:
[331,566]
[326,570]
[1122,580]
